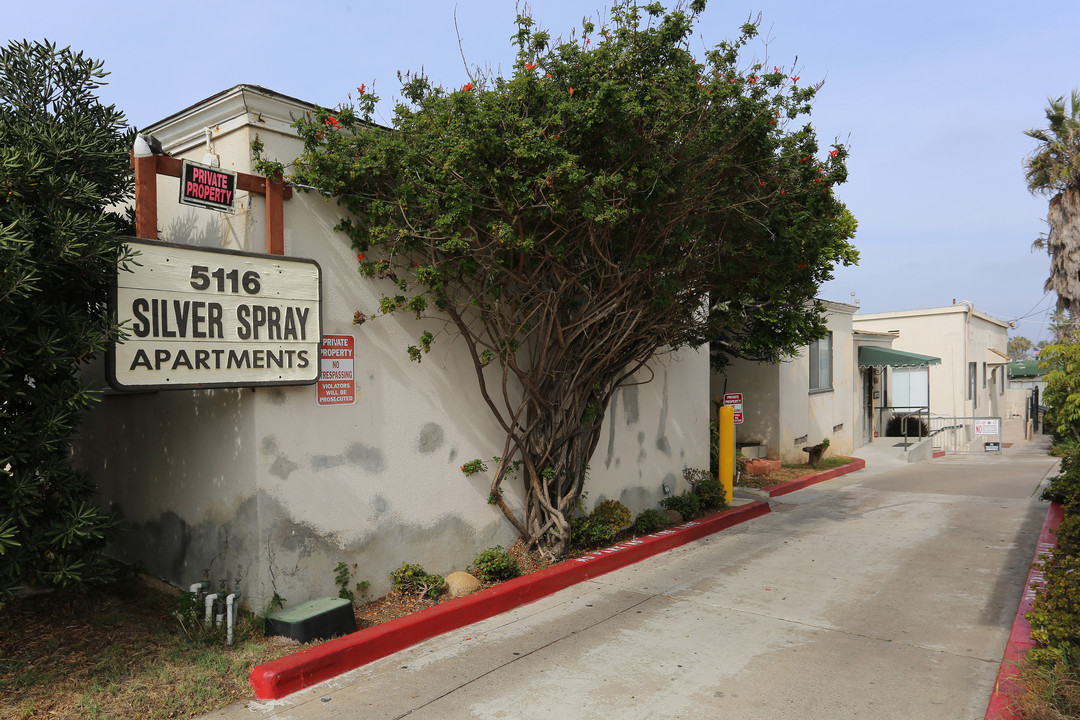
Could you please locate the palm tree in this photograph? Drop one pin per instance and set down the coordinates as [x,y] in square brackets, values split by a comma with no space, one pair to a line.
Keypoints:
[1053,169]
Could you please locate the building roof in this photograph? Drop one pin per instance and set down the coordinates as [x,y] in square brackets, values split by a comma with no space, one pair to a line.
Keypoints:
[1024,369]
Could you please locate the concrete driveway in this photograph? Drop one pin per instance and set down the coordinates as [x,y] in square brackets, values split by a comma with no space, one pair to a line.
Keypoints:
[886,593]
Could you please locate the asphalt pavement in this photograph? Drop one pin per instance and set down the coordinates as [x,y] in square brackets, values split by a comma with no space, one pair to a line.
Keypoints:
[886,593]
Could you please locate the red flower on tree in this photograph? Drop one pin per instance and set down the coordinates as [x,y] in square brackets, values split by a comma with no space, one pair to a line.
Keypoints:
[834,153]
[467,87]
[362,88]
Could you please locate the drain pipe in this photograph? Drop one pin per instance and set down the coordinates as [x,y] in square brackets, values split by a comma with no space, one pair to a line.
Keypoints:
[209,600]
[230,614]
[195,589]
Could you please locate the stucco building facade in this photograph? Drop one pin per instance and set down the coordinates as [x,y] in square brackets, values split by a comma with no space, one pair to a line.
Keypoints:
[266,488]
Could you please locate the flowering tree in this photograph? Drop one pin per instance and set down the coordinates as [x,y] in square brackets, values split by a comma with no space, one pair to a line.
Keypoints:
[614,198]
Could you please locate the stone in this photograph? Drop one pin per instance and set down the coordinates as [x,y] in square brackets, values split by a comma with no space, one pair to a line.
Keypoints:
[459,584]
[672,517]
[762,466]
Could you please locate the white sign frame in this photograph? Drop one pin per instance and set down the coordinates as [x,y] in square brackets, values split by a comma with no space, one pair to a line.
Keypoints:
[201,317]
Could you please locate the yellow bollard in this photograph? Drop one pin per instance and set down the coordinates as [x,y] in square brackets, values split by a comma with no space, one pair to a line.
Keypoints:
[726,450]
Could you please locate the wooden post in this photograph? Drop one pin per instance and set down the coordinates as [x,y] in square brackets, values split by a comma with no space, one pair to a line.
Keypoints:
[145,196]
[726,451]
[148,168]
[275,217]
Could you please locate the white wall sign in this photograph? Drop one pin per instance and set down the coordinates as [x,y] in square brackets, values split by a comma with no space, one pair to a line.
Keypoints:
[201,317]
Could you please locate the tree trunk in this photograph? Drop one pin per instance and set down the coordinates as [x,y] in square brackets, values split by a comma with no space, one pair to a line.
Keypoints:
[1063,245]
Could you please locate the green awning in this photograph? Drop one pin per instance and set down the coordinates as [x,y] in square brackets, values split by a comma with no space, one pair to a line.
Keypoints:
[881,357]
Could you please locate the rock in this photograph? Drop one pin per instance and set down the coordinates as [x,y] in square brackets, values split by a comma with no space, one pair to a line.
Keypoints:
[459,584]
[672,517]
[762,466]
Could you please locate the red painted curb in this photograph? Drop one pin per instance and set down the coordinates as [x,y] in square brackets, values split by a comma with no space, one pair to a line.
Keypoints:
[1000,707]
[288,674]
[799,484]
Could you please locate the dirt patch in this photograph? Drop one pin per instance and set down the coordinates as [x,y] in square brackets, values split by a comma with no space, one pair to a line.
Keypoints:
[788,473]
[395,605]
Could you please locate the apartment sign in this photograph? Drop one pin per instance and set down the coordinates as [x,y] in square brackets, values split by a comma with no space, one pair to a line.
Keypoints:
[207,187]
[337,373]
[197,317]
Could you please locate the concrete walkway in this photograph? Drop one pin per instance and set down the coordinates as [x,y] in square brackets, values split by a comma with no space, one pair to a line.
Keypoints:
[886,593]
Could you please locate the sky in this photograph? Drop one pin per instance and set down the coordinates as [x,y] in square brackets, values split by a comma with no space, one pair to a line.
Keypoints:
[931,98]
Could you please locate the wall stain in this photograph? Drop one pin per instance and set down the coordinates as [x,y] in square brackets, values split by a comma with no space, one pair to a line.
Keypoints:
[632,412]
[358,454]
[662,443]
[326,462]
[431,438]
[283,467]
[367,458]
[269,552]
[611,430]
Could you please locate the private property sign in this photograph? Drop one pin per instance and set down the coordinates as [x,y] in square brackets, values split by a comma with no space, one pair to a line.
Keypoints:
[207,187]
[337,378]
[203,317]
[735,401]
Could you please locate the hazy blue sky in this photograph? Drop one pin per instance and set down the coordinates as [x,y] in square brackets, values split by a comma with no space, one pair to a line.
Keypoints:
[931,97]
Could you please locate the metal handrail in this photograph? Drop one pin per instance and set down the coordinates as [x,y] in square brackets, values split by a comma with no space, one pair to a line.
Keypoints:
[915,411]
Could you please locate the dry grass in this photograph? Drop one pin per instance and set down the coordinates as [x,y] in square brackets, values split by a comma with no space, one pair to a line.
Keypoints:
[1049,693]
[787,473]
[119,653]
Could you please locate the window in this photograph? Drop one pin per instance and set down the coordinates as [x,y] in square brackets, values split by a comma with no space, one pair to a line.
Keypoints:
[821,364]
[973,380]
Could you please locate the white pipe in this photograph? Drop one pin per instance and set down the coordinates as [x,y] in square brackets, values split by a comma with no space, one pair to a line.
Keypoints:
[230,614]
[194,590]
[209,600]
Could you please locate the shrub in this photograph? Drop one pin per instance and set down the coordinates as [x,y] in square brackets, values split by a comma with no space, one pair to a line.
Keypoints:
[413,579]
[1065,488]
[707,487]
[916,427]
[688,504]
[600,527]
[649,521]
[1068,535]
[495,565]
[1055,613]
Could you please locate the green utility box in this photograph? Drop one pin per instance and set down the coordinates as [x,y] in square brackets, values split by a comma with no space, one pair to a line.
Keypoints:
[317,619]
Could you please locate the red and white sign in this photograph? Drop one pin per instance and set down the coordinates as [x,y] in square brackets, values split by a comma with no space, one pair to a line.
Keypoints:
[337,379]
[735,400]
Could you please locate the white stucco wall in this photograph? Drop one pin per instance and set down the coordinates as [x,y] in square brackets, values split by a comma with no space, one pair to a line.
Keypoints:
[264,484]
[779,409]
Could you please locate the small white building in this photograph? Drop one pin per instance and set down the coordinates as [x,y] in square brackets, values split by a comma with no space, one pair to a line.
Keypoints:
[269,489]
[970,379]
